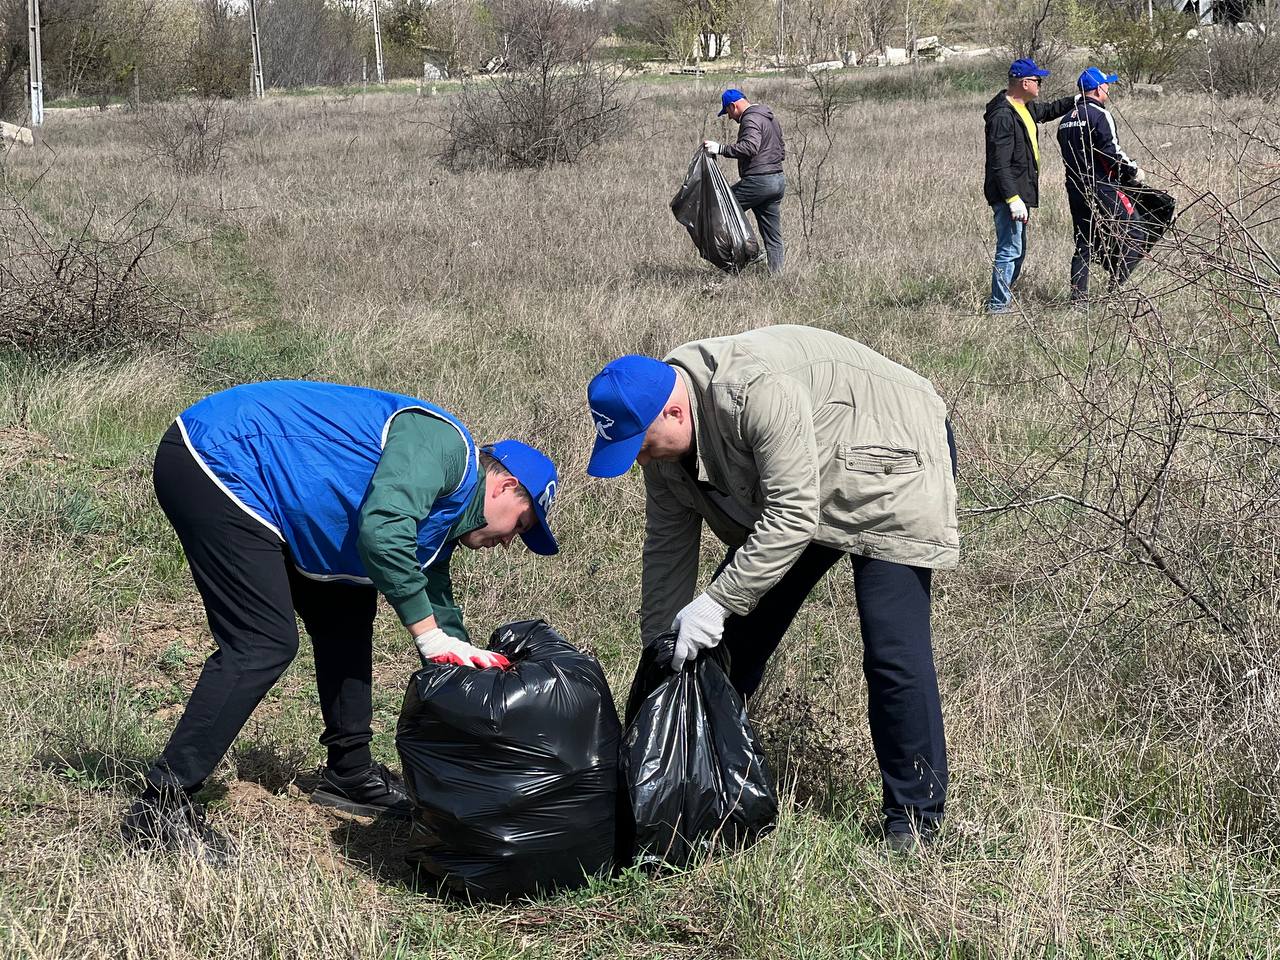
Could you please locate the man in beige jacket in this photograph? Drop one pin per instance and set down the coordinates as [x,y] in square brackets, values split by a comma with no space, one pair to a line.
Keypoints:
[796,446]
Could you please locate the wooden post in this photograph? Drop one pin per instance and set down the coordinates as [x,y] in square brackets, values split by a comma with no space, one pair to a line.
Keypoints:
[35,65]
[377,43]
[257,89]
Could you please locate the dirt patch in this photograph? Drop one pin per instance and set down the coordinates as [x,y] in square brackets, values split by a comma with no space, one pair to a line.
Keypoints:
[372,851]
[20,446]
[163,647]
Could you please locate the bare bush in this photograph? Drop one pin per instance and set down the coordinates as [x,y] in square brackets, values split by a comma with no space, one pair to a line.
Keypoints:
[85,295]
[813,143]
[556,105]
[1040,29]
[190,136]
[1241,64]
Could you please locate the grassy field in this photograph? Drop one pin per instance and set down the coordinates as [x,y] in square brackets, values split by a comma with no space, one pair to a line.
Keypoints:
[1113,749]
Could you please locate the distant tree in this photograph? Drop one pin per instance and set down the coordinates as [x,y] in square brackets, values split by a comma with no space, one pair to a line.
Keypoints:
[306,42]
[13,59]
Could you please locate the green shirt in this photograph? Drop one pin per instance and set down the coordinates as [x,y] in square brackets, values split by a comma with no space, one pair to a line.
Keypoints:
[423,459]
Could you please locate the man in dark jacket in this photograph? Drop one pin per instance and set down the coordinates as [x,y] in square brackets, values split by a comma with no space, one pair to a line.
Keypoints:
[1012,185]
[759,152]
[1103,217]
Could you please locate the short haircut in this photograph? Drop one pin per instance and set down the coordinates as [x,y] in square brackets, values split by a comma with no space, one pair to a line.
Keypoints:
[490,464]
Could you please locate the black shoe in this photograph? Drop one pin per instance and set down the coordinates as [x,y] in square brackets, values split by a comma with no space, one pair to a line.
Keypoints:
[908,842]
[165,817]
[374,791]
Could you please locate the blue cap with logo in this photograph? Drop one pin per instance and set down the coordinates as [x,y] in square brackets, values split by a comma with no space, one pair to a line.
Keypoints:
[1026,67]
[1093,78]
[728,97]
[625,397]
[537,474]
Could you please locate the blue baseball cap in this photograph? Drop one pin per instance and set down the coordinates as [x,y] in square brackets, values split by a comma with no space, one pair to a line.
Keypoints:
[726,98]
[1093,78]
[625,397]
[537,474]
[1026,67]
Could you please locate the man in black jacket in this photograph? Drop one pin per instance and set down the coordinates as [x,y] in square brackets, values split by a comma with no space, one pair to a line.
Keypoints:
[759,152]
[1012,185]
[1103,217]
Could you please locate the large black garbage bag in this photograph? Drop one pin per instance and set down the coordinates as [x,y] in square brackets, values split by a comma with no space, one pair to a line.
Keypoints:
[711,213]
[513,773]
[691,766]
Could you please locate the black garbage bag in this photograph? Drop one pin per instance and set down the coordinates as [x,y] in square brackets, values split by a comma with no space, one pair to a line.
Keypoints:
[1155,210]
[513,773]
[691,766]
[711,213]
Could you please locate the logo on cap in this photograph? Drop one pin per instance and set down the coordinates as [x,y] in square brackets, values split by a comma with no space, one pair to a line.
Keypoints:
[603,424]
[548,496]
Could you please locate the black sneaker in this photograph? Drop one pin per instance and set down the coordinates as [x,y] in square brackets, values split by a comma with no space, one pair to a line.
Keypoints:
[374,791]
[165,817]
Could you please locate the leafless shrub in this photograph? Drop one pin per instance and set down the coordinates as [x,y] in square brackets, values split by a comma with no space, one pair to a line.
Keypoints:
[191,136]
[88,294]
[813,143]
[553,107]
[1040,29]
[1161,474]
[1241,64]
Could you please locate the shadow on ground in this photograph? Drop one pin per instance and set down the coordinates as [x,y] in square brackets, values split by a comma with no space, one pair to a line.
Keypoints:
[376,847]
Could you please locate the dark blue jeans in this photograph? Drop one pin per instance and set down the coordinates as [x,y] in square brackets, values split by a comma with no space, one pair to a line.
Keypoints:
[762,193]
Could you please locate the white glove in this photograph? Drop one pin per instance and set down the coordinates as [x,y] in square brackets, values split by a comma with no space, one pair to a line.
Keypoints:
[436,646]
[1140,176]
[1018,210]
[711,147]
[701,625]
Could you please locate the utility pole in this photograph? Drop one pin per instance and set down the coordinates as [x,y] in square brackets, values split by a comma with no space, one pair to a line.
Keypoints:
[377,42]
[35,65]
[782,30]
[256,88]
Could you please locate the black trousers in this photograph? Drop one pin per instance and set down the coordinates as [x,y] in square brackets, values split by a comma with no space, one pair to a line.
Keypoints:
[250,591]
[904,709]
[1102,232]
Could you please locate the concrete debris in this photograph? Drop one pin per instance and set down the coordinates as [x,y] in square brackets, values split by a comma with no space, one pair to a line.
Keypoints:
[16,134]
[825,65]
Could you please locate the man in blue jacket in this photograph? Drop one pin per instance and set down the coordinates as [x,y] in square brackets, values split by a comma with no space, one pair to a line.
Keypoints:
[314,497]
[1103,217]
[1012,182]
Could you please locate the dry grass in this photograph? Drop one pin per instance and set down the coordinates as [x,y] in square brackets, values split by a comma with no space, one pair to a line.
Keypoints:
[1098,808]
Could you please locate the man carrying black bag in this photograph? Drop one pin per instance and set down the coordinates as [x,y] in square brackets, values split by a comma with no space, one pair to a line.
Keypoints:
[760,153]
[1102,186]
[797,446]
